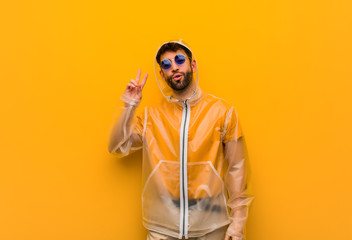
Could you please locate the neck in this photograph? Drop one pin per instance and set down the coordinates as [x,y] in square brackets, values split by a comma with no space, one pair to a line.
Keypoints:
[185,93]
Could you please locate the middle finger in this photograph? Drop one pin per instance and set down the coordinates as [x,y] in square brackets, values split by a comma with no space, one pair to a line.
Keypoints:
[138,75]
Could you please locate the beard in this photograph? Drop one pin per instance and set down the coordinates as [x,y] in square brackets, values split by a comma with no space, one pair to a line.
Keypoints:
[179,86]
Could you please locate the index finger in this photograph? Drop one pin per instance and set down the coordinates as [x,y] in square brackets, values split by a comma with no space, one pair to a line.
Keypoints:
[138,75]
[144,80]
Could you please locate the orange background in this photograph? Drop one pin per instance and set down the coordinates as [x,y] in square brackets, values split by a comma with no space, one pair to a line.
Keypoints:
[285,65]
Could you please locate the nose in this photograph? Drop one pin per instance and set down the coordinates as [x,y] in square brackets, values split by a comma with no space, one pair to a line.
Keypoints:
[174,66]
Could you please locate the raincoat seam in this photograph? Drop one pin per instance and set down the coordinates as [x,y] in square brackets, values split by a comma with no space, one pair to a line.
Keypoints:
[226,122]
[168,234]
[208,230]
[216,172]
[223,186]
[197,163]
[236,130]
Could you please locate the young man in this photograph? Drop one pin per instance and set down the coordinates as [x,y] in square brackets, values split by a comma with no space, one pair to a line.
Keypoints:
[193,157]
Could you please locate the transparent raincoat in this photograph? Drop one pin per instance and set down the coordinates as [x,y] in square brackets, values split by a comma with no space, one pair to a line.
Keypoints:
[193,161]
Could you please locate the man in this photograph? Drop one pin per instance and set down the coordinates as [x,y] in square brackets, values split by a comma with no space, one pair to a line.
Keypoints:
[193,158]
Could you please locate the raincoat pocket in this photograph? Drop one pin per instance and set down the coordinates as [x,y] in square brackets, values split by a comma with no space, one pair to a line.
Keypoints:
[207,208]
[161,190]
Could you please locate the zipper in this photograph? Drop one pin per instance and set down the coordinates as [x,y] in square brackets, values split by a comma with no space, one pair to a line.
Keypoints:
[183,172]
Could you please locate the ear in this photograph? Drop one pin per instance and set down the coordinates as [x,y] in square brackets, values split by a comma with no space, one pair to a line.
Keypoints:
[194,65]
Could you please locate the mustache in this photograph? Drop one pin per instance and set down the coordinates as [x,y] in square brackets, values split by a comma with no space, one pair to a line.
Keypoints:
[178,73]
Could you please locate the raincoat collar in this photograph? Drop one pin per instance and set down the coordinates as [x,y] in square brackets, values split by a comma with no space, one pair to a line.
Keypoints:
[198,95]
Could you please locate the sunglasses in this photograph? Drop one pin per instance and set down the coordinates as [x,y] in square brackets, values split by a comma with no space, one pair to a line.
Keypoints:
[179,60]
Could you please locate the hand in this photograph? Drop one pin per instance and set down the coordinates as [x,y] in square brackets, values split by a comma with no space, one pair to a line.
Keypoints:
[134,88]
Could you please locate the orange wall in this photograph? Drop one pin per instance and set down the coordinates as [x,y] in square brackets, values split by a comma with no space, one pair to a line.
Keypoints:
[285,65]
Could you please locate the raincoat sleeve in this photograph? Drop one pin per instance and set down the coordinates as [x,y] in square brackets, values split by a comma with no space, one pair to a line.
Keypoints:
[125,135]
[235,178]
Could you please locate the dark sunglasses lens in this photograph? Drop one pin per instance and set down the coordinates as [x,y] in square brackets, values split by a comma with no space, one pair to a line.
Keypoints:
[166,64]
[180,58]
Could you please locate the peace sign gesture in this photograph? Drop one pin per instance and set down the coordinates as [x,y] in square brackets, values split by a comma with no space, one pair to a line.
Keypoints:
[134,88]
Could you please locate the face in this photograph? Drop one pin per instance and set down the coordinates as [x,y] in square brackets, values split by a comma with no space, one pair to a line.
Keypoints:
[178,77]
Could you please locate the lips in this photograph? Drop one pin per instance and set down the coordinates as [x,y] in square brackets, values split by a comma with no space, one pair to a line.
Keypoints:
[177,76]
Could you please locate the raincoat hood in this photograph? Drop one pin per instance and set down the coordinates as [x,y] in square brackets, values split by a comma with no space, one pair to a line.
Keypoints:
[165,89]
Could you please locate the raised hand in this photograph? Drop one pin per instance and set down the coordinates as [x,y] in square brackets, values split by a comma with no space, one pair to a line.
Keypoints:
[134,87]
